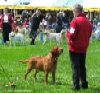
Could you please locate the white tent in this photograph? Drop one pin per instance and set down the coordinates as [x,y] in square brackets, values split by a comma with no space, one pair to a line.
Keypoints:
[27,4]
[42,3]
[91,3]
[8,2]
[35,3]
[60,3]
[23,2]
[15,4]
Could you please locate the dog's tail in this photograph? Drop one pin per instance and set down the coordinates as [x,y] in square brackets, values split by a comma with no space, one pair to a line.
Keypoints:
[24,61]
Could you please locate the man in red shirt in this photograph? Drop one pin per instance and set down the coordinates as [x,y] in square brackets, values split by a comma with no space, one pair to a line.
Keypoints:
[78,37]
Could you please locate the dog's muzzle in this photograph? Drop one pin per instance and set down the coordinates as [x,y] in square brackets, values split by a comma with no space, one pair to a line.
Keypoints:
[13,35]
[61,50]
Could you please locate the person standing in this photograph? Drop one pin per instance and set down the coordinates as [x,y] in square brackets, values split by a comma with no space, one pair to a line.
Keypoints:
[7,24]
[0,20]
[59,23]
[35,22]
[78,37]
[24,15]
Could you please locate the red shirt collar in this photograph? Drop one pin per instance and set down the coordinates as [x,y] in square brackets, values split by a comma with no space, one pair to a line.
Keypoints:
[81,14]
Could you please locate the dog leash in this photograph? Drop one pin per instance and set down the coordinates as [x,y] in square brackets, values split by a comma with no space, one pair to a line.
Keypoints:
[11,83]
[5,73]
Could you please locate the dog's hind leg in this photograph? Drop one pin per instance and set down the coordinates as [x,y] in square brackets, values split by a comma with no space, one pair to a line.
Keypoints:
[36,71]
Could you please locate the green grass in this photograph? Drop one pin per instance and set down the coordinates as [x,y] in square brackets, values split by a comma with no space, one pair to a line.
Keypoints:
[9,56]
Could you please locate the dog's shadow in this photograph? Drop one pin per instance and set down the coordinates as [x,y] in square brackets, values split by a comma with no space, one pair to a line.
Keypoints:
[61,83]
[95,90]
[50,82]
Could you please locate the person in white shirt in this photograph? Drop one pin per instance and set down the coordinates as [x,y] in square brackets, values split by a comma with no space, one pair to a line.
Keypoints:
[7,22]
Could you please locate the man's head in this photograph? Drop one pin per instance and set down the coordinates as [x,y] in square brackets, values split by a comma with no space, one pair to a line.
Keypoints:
[77,9]
[38,12]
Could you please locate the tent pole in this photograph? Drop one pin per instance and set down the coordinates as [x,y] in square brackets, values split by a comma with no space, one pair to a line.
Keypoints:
[90,16]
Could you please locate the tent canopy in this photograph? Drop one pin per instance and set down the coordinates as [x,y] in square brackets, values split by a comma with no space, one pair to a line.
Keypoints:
[25,4]
[8,2]
[50,4]
[91,3]
[43,3]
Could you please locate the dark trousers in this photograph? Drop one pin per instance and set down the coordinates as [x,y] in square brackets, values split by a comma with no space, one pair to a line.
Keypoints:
[78,68]
[33,35]
[6,29]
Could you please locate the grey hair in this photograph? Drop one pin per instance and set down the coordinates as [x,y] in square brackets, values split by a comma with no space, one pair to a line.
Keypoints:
[78,8]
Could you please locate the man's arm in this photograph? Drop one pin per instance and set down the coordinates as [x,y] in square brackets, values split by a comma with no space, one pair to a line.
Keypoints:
[72,32]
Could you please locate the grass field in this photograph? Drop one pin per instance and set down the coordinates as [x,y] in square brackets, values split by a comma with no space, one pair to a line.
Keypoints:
[9,56]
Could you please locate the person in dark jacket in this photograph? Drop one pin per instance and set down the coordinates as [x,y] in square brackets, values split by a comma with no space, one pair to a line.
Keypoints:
[78,37]
[24,15]
[35,22]
[59,23]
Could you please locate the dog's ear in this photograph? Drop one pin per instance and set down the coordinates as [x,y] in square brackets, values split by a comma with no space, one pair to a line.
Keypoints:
[54,50]
[56,47]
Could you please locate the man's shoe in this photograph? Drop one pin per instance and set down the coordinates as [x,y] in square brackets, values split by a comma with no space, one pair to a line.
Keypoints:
[32,43]
[84,85]
[75,88]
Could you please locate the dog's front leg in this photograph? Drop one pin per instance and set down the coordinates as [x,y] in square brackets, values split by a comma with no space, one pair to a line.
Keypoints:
[53,76]
[51,39]
[14,41]
[10,42]
[46,77]
[58,40]
[45,38]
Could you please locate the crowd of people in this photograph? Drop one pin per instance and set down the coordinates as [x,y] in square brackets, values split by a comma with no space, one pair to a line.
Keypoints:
[56,20]
[96,28]
[34,20]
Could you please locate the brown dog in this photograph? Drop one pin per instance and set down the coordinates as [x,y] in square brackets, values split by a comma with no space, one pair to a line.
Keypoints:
[46,64]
